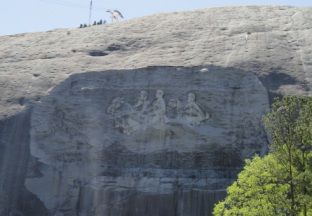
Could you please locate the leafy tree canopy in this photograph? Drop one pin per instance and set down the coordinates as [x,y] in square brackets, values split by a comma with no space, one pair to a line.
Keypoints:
[258,190]
[281,182]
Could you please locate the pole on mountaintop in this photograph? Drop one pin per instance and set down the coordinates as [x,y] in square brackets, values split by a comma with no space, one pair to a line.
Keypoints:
[90,12]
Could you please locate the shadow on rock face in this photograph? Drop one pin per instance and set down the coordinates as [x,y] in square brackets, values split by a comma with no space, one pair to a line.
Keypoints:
[276,79]
[152,141]
[14,156]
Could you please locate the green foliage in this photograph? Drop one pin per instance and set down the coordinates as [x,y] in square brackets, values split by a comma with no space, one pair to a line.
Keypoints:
[258,190]
[290,123]
[280,183]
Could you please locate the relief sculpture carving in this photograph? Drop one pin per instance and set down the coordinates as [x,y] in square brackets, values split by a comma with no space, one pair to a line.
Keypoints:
[192,113]
[144,114]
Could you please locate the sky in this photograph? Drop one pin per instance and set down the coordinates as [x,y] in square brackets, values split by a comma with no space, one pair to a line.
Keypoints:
[19,16]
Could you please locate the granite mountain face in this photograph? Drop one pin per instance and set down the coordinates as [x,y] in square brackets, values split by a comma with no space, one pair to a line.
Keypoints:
[158,122]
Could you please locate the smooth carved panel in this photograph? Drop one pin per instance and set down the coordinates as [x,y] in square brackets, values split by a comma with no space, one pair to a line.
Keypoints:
[148,131]
[156,114]
[144,112]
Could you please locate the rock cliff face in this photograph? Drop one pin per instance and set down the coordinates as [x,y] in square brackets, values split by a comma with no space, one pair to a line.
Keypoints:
[134,137]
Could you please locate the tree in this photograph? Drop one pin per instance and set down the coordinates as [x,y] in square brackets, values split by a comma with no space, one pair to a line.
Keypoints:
[290,174]
[303,159]
[258,190]
[290,124]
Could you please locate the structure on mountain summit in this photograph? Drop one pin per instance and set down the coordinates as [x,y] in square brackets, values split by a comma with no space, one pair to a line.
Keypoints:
[115,15]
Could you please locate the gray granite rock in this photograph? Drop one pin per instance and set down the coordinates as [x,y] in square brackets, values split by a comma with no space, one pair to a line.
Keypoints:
[127,139]
[115,141]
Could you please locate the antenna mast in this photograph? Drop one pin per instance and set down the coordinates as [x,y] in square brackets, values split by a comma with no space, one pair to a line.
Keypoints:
[90,12]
